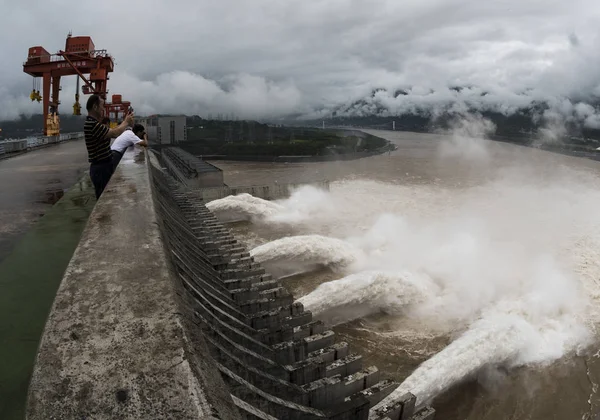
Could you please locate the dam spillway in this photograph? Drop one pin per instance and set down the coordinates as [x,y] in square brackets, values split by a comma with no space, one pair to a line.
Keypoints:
[203,330]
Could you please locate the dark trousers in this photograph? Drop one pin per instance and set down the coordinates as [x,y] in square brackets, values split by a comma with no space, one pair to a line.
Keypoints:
[116,158]
[100,174]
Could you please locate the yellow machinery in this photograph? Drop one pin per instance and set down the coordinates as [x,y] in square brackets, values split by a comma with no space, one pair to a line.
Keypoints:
[35,91]
[53,124]
[76,105]
[35,96]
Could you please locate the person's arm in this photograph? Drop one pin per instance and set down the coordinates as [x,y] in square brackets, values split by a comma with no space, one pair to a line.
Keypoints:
[134,139]
[143,142]
[116,132]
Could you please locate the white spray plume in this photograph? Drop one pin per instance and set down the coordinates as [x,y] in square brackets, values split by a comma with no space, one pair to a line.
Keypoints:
[297,254]
[242,207]
[539,326]
[365,293]
[511,261]
[304,203]
[466,138]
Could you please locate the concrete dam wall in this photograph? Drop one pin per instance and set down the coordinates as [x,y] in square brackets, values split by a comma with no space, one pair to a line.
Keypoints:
[208,180]
[163,314]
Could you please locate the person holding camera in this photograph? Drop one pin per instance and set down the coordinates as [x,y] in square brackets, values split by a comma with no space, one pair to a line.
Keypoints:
[97,142]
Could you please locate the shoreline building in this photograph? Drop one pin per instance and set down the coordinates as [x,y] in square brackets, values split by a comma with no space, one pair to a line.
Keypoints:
[165,129]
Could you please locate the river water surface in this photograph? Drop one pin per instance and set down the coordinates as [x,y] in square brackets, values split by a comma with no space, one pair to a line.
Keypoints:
[482,257]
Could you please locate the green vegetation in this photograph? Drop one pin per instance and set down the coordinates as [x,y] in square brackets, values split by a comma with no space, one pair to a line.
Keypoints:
[250,138]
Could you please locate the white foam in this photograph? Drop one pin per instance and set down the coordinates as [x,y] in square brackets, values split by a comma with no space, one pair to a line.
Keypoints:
[304,204]
[513,264]
[538,327]
[296,254]
[242,207]
[365,293]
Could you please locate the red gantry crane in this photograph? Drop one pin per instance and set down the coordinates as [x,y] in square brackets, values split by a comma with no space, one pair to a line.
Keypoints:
[117,110]
[79,58]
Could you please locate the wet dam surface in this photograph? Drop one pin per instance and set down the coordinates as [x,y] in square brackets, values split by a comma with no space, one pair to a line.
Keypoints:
[505,238]
[32,183]
[45,202]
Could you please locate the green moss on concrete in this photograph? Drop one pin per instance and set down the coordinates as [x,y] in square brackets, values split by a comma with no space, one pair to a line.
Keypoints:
[29,279]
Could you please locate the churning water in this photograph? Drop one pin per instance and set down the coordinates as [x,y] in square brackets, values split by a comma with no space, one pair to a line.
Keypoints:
[464,269]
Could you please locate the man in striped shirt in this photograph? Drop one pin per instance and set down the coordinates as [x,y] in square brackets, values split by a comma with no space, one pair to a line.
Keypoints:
[97,141]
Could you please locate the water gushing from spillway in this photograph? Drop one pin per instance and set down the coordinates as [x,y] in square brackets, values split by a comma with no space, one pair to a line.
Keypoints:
[508,268]
[539,327]
[297,254]
[303,203]
[365,293]
[242,207]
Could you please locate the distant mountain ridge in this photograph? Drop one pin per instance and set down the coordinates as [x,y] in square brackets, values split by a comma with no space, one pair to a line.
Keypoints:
[421,110]
[564,117]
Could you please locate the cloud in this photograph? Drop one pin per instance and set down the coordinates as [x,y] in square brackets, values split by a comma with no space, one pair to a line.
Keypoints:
[269,58]
[244,95]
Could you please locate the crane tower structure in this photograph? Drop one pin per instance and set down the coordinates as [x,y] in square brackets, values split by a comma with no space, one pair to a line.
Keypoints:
[79,58]
[117,109]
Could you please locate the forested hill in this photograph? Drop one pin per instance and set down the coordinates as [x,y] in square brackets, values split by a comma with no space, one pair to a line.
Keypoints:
[34,126]
[520,126]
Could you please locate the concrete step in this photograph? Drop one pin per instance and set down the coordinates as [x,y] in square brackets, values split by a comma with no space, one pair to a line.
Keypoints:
[264,304]
[240,274]
[330,354]
[325,392]
[402,409]
[426,413]
[379,391]
[346,366]
[308,329]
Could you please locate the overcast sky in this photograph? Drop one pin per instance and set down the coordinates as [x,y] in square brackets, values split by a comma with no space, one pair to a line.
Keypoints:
[275,57]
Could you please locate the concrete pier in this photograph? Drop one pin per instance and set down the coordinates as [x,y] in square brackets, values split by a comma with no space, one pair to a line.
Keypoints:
[189,170]
[163,314]
[207,180]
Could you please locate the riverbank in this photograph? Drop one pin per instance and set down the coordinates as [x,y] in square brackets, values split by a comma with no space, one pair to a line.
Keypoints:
[300,159]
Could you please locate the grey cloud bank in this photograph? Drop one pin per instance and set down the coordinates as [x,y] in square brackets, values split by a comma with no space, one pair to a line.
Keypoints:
[272,58]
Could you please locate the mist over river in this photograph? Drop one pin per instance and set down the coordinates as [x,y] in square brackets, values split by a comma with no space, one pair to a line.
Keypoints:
[467,270]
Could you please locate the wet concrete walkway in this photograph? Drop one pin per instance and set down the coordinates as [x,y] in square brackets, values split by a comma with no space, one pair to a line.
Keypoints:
[29,278]
[45,201]
[31,183]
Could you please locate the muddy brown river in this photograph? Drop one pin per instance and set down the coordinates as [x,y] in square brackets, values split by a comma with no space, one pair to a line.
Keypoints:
[482,258]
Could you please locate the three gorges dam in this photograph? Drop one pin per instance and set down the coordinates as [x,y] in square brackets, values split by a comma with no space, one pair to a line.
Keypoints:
[449,278]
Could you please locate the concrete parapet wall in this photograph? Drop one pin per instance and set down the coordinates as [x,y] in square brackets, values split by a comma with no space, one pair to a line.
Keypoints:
[266,192]
[189,170]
